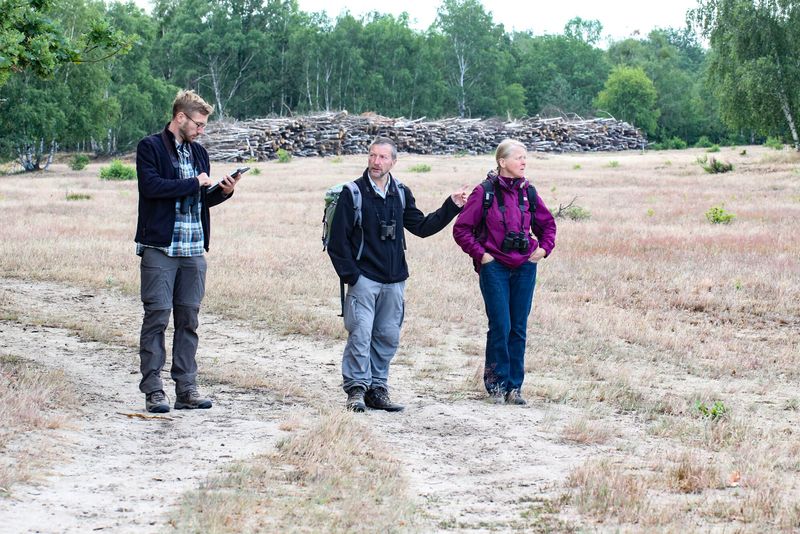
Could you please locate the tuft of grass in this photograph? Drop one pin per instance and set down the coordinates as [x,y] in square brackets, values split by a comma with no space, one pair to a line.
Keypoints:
[602,490]
[117,171]
[30,398]
[613,164]
[77,196]
[577,166]
[255,171]
[332,477]
[713,148]
[337,159]
[421,167]
[586,431]
[690,473]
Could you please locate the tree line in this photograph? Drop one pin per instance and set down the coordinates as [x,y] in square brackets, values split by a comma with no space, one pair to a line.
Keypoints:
[92,76]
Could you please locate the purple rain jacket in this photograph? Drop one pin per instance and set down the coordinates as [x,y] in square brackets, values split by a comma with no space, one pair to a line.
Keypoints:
[543,227]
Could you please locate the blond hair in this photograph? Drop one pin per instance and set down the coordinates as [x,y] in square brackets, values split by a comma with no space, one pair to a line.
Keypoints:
[187,101]
[504,150]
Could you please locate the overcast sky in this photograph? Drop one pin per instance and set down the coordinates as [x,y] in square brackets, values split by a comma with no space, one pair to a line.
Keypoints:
[620,18]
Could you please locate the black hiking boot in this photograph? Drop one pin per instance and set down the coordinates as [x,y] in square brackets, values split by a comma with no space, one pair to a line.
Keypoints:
[378,399]
[515,397]
[191,400]
[355,400]
[156,402]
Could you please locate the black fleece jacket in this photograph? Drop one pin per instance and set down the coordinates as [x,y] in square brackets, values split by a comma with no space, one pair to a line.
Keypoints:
[160,186]
[383,261]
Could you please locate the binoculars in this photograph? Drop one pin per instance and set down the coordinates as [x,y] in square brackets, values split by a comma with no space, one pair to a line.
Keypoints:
[388,230]
[516,241]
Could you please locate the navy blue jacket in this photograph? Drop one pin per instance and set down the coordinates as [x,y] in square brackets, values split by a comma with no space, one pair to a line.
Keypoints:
[383,261]
[160,186]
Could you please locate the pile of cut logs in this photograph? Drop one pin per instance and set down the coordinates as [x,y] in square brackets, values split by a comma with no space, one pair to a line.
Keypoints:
[332,134]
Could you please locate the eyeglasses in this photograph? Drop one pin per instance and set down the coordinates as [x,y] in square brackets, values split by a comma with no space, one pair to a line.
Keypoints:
[200,125]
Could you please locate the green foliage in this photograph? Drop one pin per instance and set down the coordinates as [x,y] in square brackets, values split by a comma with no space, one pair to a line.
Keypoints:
[77,196]
[78,162]
[713,412]
[630,95]
[255,171]
[674,143]
[577,166]
[774,142]
[421,167]
[753,65]
[703,142]
[32,39]
[571,212]
[718,215]
[117,171]
[651,212]
[613,164]
[716,166]
[284,156]
[713,148]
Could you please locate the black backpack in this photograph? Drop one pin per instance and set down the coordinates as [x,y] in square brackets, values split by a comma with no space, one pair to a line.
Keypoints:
[489,193]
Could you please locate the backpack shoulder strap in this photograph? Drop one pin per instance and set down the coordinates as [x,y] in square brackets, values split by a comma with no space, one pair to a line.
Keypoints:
[401,192]
[486,203]
[356,193]
[532,202]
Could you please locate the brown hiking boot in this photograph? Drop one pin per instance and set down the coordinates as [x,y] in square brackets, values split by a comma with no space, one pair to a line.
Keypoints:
[355,400]
[496,396]
[191,400]
[378,399]
[515,397]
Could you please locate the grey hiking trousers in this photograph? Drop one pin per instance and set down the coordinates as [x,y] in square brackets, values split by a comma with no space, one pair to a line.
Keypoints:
[175,285]
[373,315]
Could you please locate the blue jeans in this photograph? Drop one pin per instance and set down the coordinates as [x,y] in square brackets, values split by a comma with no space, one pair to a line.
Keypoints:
[508,296]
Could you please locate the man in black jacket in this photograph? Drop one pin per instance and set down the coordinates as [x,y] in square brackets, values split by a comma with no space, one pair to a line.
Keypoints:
[172,233]
[374,306]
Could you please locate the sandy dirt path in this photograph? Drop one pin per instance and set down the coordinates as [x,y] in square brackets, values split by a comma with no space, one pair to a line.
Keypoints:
[471,466]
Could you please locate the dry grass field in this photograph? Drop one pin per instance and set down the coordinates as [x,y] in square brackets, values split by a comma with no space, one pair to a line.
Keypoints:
[663,350]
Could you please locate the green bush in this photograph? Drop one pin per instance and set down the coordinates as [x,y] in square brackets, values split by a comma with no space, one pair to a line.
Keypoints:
[284,156]
[78,162]
[774,142]
[713,412]
[117,171]
[716,166]
[718,215]
[613,164]
[713,148]
[703,142]
[422,167]
[256,171]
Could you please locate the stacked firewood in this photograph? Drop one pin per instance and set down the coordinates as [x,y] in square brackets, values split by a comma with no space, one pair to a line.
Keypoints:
[332,134]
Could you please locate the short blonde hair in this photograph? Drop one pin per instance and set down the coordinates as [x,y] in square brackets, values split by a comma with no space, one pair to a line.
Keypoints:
[504,150]
[187,101]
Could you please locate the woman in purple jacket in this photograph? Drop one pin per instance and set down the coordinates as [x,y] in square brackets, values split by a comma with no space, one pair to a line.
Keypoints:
[506,236]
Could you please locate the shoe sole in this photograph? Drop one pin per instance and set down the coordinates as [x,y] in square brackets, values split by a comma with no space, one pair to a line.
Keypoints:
[158,408]
[392,409]
[201,406]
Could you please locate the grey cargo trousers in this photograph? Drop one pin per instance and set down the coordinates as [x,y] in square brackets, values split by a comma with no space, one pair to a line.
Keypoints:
[174,285]
[373,315]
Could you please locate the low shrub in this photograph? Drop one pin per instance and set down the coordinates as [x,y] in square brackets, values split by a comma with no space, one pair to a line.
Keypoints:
[284,156]
[117,171]
[713,148]
[422,167]
[774,142]
[716,166]
[78,162]
[718,215]
[703,142]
